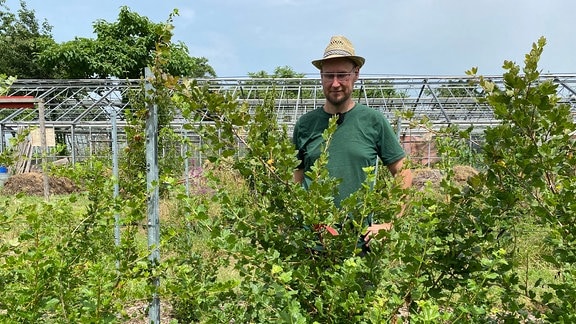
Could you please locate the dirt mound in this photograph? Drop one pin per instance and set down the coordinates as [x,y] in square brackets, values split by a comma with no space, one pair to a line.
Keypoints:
[461,174]
[421,176]
[32,183]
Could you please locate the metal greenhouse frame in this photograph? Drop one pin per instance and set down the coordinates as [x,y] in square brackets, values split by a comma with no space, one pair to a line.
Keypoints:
[80,110]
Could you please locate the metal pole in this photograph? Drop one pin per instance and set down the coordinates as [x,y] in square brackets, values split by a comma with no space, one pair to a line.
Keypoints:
[42,121]
[186,164]
[90,142]
[153,196]
[470,160]
[187,178]
[73,143]
[115,175]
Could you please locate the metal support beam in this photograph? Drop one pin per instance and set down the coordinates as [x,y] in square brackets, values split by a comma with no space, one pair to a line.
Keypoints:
[439,104]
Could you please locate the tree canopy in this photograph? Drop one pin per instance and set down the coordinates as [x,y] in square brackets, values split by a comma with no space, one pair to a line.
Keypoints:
[22,37]
[279,72]
[121,49]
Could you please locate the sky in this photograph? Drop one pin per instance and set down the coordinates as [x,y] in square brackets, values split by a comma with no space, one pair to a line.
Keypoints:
[396,37]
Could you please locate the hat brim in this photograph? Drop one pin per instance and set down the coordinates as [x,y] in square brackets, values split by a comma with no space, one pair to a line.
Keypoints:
[358,60]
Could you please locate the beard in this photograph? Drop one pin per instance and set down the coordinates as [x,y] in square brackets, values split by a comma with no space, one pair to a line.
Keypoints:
[337,98]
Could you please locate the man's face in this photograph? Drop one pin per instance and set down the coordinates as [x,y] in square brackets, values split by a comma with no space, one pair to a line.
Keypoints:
[338,78]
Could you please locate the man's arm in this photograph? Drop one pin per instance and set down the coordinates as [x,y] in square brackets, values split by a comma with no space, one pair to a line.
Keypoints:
[398,171]
[405,177]
[299,175]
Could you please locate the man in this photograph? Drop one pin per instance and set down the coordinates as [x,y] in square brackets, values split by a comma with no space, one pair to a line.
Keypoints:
[363,134]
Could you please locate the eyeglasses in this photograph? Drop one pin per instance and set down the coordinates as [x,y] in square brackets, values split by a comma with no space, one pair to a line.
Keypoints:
[341,76]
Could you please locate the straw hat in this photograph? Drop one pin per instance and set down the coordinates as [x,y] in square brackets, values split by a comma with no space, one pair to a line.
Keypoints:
[339,46]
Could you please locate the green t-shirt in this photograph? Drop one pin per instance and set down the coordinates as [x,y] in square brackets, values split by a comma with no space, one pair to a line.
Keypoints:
[362,136]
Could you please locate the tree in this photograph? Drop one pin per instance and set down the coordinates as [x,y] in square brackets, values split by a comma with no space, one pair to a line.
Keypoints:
[262,78]
[22,37]
[121,49]
[279,72]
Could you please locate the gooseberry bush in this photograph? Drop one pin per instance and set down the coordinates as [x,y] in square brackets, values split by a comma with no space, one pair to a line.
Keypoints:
[454,255]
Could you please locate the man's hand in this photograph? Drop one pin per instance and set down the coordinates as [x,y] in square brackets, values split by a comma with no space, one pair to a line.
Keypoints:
[375,228]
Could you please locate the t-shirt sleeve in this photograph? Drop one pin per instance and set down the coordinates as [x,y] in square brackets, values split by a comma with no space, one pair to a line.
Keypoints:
[389,146]
[300,150]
